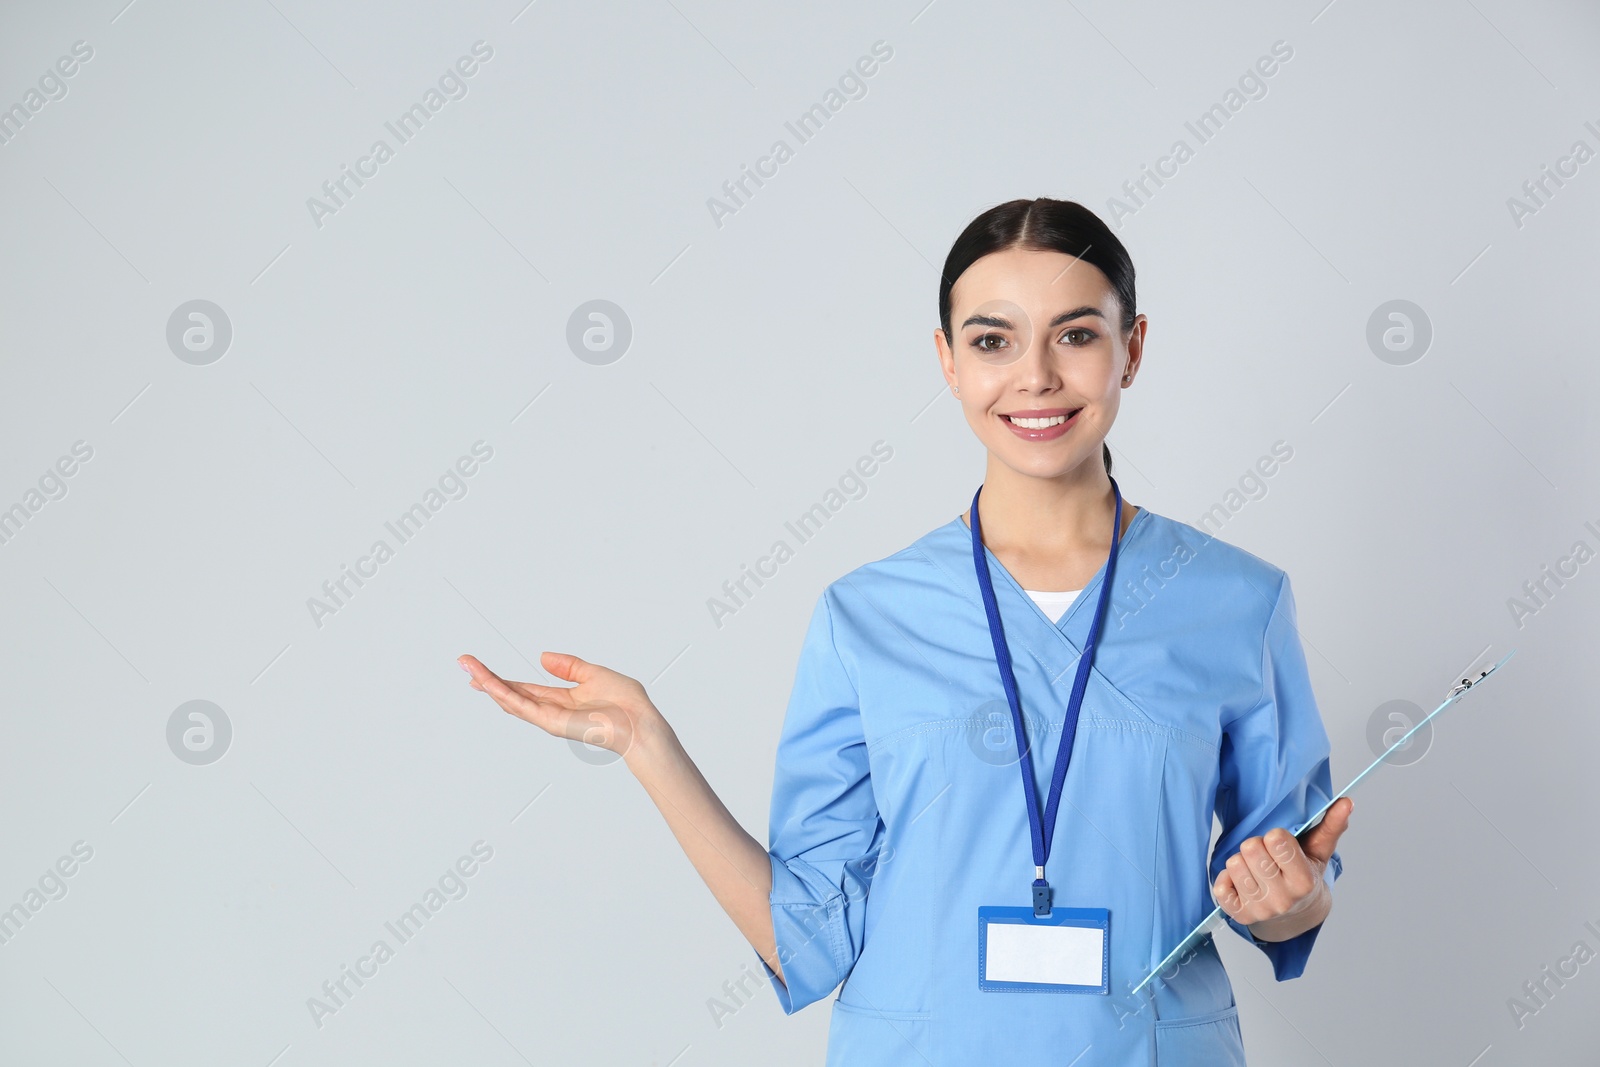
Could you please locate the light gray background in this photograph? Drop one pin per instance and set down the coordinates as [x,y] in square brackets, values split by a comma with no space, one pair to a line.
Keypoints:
[767,355]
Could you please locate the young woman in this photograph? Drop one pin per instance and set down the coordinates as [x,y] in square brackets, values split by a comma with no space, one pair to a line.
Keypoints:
[1006,742]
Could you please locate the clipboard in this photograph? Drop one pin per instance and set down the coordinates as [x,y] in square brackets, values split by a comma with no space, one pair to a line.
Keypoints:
[1211,921]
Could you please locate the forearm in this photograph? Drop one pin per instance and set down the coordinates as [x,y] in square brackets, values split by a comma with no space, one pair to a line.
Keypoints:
[734,865]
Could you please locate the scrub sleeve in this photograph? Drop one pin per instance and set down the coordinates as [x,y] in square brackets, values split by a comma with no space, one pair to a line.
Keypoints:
[824,825]
[1274,768]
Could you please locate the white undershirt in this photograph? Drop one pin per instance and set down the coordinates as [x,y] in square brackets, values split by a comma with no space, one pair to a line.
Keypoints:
[1054,605]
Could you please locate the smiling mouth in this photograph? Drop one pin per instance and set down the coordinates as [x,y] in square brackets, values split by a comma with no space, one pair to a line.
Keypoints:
[1040,422]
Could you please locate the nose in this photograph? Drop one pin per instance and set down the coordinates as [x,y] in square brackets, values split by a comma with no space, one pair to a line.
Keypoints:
[1035,368]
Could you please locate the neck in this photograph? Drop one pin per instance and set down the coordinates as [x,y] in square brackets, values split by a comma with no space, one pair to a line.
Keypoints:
[1047,515]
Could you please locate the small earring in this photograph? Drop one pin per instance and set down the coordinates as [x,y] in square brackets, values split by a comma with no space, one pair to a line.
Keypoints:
[1127,377]
[958,388]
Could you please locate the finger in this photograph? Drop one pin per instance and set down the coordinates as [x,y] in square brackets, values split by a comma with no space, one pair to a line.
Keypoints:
[515,703]
[1320,842]
[1227,895]
[468,663]
[1294,866]
[1243,880]
[1263,867]
[510,698]
[569,667]
[560,696]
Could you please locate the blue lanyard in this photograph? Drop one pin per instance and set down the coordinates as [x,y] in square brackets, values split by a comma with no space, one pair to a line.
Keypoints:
[1069,729]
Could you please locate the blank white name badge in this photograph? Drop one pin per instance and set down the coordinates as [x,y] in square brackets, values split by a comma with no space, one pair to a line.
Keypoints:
[1067,951]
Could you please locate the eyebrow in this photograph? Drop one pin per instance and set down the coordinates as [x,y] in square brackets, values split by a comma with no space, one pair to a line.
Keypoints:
[999,322]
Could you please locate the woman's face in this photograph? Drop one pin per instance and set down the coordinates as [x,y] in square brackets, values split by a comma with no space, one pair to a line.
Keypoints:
[1039,358]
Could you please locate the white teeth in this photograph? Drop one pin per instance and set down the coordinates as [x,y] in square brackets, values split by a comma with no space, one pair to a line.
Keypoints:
[1038,424]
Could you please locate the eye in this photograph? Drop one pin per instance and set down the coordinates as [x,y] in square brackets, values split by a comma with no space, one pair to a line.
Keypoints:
[1088,335]
[981,344]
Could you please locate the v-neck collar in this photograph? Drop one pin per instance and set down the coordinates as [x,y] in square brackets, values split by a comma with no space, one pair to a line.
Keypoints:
[962,533]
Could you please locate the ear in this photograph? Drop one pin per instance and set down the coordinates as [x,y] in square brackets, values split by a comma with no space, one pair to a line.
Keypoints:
[1136,344]
[947,359]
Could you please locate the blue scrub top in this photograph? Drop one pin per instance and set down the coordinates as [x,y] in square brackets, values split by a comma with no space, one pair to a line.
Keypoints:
[897,808]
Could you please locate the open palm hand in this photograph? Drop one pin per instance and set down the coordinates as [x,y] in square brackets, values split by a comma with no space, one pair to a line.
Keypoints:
[604,708]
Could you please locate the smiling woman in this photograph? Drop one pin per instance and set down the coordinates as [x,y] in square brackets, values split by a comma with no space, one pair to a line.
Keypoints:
[900,855]
[1016,239]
